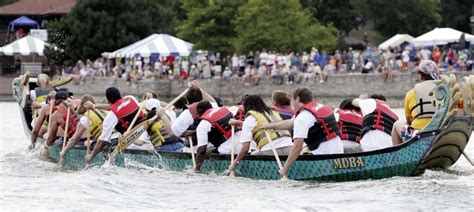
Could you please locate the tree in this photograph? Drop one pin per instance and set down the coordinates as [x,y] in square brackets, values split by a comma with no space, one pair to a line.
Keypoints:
[340,13]
[281,26]
[414,17]
[209,24]
[456,14]
[106,25]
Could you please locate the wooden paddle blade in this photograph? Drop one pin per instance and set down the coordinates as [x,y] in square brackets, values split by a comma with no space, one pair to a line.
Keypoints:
[61,82]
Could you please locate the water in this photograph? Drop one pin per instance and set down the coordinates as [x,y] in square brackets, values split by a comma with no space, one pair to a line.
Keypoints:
[29,183]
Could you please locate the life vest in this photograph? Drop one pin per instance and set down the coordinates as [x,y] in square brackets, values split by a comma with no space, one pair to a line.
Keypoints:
[382,119]
[73,119]
[125,109]
[325,128]
[221,129]
[96,118]
[424,107]
[42,94]
[350,124]
[259,135]
[286,112]
[157,132]
[239,116]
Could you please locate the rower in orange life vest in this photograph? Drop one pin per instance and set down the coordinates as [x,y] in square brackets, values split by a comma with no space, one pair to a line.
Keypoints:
[63,102]
[121,114]
[186,123]
[377,123]
[214,128]
[418,104]
[314,124]
[350,123]
[282,104]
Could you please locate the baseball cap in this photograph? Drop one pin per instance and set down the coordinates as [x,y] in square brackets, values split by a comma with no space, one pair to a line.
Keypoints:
[61,95]
[152,103]
[67,91]
[430,68]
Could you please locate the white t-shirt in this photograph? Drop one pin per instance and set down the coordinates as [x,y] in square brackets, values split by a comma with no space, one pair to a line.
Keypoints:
[249,123]
[303,122]
[374,139]
[184,120]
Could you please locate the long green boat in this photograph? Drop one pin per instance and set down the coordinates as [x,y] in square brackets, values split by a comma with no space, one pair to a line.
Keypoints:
[438,146]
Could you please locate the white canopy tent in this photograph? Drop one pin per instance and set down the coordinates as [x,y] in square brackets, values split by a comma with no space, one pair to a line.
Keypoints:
[155,44]
[441,36]
[25,46]
[396,41]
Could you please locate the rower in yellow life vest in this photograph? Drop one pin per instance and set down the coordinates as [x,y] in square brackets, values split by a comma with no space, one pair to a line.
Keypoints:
[159,132]
[258,114]
[90,123]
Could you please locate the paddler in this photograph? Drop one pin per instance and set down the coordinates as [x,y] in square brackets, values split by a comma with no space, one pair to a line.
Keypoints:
[63,103]
[159,133]
[41,125]
[282,104]
[121,114]
[258,114]
[313,124]
[418,104]
[39,94]
[349,118]
[214,128]
[377,123]
[90,120]
[188,120]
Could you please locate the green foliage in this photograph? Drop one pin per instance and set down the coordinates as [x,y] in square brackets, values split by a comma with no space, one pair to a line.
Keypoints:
[107,25]
[414,17]
[457,13]
[281,26]
[209,24]
[7,2]
[341,13]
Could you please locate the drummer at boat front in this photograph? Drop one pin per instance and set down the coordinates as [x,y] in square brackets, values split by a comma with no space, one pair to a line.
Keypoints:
[314,125]
[377,123]
[120,117]
[258,114]
[215,128]
[418,104]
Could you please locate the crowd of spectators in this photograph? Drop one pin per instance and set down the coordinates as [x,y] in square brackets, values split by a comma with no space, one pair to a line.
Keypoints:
[282,68]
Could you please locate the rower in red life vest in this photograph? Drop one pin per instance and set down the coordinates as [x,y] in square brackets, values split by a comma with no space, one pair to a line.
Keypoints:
[186,123]
[63,102]
[377,123]
[314,124]
[40,127]
[282,104]
[350,123]
[214,128]
[121,114]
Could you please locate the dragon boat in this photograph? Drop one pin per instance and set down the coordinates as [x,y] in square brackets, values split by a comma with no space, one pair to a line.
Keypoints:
[438,146]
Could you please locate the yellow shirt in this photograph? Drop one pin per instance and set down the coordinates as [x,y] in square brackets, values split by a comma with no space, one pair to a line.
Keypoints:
[410,102]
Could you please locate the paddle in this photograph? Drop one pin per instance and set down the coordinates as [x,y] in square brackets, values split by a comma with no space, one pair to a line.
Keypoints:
[88,136]
[232,172]
[131,135]
[191,146]
[61,161]
[284,177]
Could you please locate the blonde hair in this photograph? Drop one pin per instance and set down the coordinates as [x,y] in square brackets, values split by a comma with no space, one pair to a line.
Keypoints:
[43,80]
[84,99]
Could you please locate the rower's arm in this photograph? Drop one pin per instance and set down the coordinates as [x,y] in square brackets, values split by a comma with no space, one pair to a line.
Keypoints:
[102,106]
[294,154]
[200,154]
[97,148]
[280,125]
[241,155]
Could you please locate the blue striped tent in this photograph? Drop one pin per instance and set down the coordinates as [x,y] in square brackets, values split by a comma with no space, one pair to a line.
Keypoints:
[154,45]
